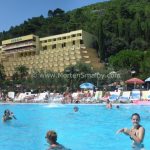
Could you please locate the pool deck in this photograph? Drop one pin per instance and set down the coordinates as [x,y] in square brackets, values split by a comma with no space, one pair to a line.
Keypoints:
[115,104]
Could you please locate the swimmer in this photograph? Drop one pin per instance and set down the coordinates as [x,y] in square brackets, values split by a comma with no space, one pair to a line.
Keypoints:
[108,104]
[51,137]
[136,133]
[13,116]
[118,106]
[76,109]
[8,115]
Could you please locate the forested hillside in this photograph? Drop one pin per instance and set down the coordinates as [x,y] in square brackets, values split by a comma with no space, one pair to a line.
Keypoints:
[118,25]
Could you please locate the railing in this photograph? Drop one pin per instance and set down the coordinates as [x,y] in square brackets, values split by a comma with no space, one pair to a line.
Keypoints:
[20,50]
[8,47]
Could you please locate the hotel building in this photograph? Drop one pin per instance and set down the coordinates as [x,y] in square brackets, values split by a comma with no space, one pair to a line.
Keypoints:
[53,53]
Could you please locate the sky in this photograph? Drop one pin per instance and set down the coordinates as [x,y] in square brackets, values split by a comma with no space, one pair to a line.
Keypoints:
[15,12]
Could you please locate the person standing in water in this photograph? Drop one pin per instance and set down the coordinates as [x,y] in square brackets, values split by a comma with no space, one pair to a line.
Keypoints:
[108,104]
[136,133]
[76,109]
[51,137]
[8,115]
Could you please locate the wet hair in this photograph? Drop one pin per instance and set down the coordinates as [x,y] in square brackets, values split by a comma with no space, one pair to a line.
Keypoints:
[51,135]
[136,114]
[117,106]
[7,112]
[76,108]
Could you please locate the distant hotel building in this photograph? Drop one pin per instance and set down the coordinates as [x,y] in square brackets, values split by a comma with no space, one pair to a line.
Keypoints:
[53,53]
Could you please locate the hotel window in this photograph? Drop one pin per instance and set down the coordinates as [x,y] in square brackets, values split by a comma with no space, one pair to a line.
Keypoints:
[45,41]
[49,40]
[54,46]
[81,42]
[63,45]
[34,38]
[79,34]
[45,48]
[73,35]
[73,42]
[54,39]
[64,38]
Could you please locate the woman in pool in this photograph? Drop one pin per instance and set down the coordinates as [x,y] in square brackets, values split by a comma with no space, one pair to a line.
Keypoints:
[8,115]
[136,133]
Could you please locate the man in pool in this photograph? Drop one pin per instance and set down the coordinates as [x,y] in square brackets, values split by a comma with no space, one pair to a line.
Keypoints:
[8,115]
[51,137]
[117,106]
[76,109]
[136,133]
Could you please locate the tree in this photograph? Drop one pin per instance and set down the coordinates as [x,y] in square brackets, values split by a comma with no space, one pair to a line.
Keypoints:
[58,12]
[50,14]
[78,74]
[116,45]
[100,40]
[2,73]
[126,59]
[2,76]
[21,73]
[139,44]
[48,80]
[145,66]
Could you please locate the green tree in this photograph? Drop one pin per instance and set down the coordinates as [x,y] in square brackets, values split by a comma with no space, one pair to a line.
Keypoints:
[50,14]
[78,74]
[21,73]
[116,45]
[139,44]
[58,12]
[2,77]
[100,40]
[126,59]
[2,73]
[145,66]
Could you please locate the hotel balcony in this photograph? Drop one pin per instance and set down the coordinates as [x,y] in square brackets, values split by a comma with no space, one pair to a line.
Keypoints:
[18,50]
[19,45]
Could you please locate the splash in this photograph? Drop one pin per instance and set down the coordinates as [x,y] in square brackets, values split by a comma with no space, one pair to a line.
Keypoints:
[53,105]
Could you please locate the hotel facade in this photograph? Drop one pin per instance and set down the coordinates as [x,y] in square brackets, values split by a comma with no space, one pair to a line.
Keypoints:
[53,53]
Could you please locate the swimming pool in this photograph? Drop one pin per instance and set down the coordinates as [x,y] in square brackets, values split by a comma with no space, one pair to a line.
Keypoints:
[92,128]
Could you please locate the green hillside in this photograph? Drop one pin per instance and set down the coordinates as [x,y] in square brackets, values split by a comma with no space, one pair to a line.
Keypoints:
[118,24]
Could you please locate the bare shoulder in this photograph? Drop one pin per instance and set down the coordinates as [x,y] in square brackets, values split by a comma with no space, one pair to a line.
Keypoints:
[141,129]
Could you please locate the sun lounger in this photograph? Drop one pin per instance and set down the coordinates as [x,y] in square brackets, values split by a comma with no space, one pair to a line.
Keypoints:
[135,95]
[114,96]
[125,96]
[57,99]
[20,97]
[145,95]
[98,96]
[41,97]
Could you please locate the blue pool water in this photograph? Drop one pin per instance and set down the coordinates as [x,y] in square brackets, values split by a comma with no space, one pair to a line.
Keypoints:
[92,128]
